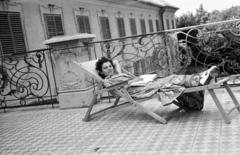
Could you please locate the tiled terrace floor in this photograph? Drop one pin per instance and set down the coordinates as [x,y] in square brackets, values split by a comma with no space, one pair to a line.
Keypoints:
[128,131]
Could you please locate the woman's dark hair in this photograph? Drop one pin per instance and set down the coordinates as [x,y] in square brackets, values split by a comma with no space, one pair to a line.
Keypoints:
[99,64]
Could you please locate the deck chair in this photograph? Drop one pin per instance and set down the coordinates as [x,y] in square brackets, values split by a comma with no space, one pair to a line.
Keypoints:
[121,92]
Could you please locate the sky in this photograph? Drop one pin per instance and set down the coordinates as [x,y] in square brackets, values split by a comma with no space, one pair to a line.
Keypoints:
[209,5]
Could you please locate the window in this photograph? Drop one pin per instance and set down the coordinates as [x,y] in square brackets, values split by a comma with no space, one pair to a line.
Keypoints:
[168,24]
[173,25]
[157,25]
[105,28]
[121,27]
[11,33]
[143,26]
[54,25]
[150,23]
[133,26]
[83,24]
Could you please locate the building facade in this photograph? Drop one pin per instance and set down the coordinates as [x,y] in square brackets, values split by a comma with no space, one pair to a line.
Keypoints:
[26,24]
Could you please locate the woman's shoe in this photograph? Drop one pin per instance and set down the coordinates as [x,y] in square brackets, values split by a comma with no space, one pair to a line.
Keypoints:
[209,74]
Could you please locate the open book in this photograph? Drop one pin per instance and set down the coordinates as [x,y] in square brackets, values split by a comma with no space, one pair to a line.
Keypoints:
[145,78]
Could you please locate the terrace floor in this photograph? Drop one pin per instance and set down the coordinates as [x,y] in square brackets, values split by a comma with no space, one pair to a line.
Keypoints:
[44,130]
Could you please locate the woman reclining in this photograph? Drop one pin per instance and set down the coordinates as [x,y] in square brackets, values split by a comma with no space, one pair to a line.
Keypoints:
[169,88]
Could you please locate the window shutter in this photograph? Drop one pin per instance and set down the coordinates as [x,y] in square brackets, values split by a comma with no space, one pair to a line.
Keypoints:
[54,25]
[81,24]
[143,26]
[105,27]
[168,24]
[11,33]
[87,25]
[84,25]
[150,25]
[121,27]
[173,26]
[58,25]
[17,32]
[157,25]
[133,26]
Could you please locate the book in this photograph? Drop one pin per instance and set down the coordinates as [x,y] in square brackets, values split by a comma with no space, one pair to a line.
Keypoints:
[145,78]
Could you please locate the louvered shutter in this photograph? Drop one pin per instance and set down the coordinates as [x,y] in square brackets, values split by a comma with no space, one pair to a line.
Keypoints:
[87,24]
[143,26]
[168,24]
[157,25]
[105,27]
[11,33]
[150,25]
[84,24]
[54,25]
[81,24]
[173,25]
[58,25]
[133,26]
[121,27]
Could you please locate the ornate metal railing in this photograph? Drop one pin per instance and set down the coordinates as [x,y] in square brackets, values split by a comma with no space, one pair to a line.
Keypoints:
[183,50]
[27,80]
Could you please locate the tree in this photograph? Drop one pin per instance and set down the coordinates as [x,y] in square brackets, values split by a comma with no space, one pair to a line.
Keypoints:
[187,19]
[202,15]
[231,13]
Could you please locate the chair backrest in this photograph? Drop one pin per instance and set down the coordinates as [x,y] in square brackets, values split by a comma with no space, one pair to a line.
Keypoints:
[90,68]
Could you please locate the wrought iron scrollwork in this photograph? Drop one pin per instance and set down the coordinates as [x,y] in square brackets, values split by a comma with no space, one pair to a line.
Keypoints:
[214,45]
[24,77]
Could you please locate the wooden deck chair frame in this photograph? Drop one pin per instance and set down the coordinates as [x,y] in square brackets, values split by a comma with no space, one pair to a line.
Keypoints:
[120,90]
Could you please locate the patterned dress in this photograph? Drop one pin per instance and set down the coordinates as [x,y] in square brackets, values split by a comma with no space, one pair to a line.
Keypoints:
[169,89]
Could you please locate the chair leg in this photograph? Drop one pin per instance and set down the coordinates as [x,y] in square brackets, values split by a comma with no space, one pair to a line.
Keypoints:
[219,106]
[235,101]
[116,101]
[87,115]
[147,111]
[152,114]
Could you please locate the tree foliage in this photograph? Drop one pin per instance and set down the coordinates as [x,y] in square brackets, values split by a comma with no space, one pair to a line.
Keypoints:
[186,20]
[202,16]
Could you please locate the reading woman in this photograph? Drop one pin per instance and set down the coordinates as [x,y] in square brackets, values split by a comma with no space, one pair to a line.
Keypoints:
[169,88]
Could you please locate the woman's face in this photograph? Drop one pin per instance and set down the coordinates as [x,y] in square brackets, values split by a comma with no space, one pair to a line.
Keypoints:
[107,69]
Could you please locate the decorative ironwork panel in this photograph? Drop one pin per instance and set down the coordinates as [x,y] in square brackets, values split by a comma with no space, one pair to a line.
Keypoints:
[180,51]
[140,54]
[214,44]
[25,80]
